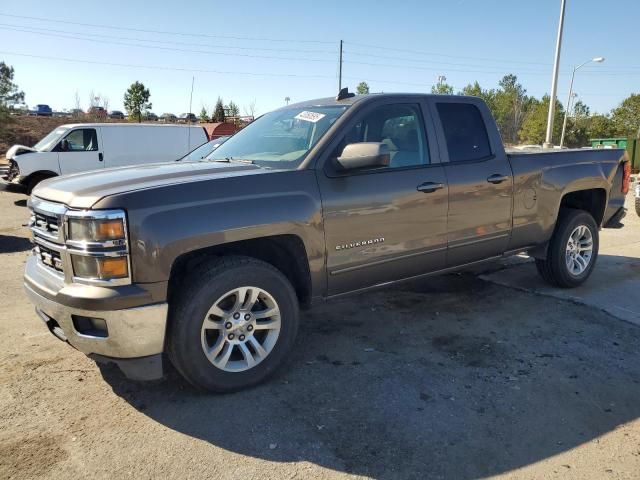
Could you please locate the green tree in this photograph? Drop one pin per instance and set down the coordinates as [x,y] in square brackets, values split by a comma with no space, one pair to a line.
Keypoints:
[9,93]
[203,115]
[475,90]
[362,88]
[218,112]
[534,125]
[626,118]
[442,88]
[232,109]
[600,126]
[136,100]
[577,131]
[510,106]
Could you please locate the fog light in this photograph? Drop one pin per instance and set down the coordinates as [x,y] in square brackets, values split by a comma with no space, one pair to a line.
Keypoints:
[92,327]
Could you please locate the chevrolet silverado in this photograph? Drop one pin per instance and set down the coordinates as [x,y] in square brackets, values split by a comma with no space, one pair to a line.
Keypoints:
[205,264]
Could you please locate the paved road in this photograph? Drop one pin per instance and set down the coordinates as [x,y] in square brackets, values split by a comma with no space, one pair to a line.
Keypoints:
[452,377]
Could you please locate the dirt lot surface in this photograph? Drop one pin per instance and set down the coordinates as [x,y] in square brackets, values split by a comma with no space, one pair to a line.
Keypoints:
[451,377]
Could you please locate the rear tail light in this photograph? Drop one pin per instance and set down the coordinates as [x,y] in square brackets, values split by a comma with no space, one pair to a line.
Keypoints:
[626,177]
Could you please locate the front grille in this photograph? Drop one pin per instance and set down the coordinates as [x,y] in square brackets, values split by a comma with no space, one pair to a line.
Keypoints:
[48,224]
[49,257]
[13,172]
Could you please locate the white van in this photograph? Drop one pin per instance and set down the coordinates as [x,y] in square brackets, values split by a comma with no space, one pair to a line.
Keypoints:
[93,146]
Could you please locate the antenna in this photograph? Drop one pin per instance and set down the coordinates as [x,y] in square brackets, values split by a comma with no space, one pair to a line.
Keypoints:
[340,68]
[189,120]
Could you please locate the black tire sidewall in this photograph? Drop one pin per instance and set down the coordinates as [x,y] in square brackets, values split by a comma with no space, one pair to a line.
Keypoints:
[207,286]
[569,221]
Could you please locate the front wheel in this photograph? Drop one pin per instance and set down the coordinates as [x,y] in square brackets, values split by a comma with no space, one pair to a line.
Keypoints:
[233,324]
[572,251]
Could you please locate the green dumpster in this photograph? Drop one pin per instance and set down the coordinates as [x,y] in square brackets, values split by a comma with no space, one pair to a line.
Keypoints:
[632,145]
[617,142]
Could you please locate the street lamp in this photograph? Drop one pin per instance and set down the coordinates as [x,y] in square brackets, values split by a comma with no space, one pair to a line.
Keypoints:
[566,112]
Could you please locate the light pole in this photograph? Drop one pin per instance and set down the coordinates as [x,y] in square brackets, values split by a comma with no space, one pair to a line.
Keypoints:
[554,80]
[566,112]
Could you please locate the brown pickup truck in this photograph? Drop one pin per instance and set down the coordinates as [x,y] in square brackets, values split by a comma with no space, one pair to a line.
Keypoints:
[205,264]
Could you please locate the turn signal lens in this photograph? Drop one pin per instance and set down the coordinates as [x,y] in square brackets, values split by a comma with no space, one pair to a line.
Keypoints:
[113,267]
[110,229]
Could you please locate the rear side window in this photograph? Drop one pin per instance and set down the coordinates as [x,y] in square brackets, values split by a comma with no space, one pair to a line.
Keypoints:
[464,131]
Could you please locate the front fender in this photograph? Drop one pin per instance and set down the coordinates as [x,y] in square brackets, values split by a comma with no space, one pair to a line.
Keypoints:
[30,163]
[171,221]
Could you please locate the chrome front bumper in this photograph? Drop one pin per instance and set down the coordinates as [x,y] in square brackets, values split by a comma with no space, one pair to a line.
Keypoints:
[131,332]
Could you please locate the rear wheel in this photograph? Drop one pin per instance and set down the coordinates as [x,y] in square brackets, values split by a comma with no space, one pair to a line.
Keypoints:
[572,251]
[233,325]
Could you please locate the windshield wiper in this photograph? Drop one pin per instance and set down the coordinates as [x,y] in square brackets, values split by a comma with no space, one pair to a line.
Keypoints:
[239,160]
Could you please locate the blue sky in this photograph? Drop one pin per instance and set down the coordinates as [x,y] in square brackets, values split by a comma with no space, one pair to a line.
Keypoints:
[268,50]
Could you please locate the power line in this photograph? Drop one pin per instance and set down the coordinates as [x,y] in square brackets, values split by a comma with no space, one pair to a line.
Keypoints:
[418,52]
[165,32]
[421,60]
[170,42]
[156,47]
[161,67]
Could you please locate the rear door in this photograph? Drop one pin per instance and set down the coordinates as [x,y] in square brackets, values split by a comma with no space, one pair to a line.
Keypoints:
[79,151]
[383,224]
[480,181]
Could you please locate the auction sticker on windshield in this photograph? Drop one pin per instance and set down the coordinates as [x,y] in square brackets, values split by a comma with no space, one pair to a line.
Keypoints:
[310,116]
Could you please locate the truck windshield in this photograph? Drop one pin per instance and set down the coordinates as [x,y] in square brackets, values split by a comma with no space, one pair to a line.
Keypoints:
[48,142]
[280,139]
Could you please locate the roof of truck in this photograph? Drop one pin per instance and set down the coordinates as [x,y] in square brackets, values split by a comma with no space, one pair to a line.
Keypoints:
[329,101]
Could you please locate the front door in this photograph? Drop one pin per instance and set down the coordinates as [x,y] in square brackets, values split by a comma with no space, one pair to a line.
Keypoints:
[385,223]
[79,151]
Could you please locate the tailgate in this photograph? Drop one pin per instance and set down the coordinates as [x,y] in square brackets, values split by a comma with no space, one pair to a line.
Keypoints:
[615,210]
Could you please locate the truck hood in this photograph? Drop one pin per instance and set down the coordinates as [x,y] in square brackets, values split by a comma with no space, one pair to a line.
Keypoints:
[17,150]
[83,190]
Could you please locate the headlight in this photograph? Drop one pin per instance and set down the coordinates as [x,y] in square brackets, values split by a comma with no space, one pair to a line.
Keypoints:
[96,230]
[100,268]
[98,246]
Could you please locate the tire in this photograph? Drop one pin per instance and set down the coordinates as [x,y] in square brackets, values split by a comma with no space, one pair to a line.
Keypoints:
[638,206]
[205,291]
[558,269]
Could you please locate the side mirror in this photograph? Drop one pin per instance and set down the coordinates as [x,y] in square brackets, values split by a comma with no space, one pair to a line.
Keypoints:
[64,145]
[364,155]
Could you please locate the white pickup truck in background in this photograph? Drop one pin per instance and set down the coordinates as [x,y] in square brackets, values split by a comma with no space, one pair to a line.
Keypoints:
[93,146]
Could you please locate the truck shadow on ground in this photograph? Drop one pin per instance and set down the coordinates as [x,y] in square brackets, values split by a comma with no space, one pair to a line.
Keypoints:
[446,378]
[12,244]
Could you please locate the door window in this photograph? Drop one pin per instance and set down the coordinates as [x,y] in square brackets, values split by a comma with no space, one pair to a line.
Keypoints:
[81,140]
[398,126]
[464,131]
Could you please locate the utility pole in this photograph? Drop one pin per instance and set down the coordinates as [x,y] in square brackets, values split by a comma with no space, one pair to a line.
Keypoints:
[340,69]
[554,80]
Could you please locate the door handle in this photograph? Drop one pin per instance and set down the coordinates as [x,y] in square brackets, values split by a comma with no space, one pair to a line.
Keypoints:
[429,187]
[497,178]
[100,157]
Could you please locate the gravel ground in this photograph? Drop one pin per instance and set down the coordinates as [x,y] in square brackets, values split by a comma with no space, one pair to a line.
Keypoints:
[450,377]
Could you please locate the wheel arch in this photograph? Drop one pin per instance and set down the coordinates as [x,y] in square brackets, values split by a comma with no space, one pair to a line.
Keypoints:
[285,252]
[592,200]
